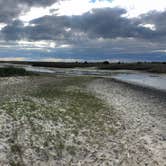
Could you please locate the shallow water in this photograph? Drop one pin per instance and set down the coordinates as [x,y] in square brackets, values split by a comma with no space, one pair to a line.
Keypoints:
[38,69]
[157,81]
[70,71]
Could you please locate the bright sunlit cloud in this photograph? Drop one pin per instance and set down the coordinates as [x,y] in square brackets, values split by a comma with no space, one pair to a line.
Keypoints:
[150,26]
[13,59]
[134,7]
[69,7]
[2,25]
[39,44]
[78,7]
[60,60]
[35,12]
[137,7]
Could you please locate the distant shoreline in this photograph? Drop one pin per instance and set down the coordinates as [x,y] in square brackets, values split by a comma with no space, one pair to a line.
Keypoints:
[154,67]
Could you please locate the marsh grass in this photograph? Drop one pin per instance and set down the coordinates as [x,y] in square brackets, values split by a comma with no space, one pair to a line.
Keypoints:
[14,71]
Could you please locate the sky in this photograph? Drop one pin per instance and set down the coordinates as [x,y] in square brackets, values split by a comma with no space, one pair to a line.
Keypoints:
[83,30]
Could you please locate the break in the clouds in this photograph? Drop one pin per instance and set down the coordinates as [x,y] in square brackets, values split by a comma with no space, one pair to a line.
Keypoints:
[66,28]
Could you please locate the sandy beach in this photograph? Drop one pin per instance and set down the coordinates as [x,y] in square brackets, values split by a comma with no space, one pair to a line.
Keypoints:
[142,115]
[84,121]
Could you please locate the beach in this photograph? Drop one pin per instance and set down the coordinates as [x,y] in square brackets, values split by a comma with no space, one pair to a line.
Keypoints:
[142,115]
[80,120]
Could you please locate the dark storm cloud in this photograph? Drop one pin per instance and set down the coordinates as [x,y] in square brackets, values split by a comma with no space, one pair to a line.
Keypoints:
[10,9]
[107,23]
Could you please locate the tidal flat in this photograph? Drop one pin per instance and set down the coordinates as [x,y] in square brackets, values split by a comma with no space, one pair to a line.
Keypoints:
[79,120]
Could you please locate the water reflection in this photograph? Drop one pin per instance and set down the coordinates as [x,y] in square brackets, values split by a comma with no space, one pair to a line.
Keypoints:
[146,79]
[151,80]
[135,77]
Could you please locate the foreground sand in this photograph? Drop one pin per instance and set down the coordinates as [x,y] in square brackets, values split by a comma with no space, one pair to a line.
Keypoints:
[142,138]
[80,121]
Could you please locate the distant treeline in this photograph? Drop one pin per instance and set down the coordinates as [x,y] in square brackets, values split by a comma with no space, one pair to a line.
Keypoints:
[55,64]
[158,67]
[64,64]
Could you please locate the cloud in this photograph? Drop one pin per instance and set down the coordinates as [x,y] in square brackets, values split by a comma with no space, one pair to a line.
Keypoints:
[13,59]
[15,31]
[102,30]
[11,9]
[137,7]
[61,60]
[110,23]
[107,23]
[155,18]
[74,29]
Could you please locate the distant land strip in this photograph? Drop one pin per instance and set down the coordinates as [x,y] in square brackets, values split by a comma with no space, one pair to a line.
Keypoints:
[155,67]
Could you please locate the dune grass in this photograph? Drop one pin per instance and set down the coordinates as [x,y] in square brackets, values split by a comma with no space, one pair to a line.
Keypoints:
[58,121]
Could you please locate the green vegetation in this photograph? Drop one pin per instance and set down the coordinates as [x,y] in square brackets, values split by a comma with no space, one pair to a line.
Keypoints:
[13,71]
[75,102]
[142,66]
[58,118]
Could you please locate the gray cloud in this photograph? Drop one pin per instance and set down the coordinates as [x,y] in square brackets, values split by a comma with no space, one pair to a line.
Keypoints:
[15,31]
[100,32]
[106,23]
[157,19]
[10,9]
[109,23]
[105,28]
[38,2]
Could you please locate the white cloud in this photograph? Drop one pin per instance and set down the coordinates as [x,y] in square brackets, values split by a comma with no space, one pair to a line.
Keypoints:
[69,7]
[37,44]
[64,46]
[2,25]
[137,7]
[33,13]
[133,7]
[13,59]
[159,51]
[60,60]
[78,7]
[150,26]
